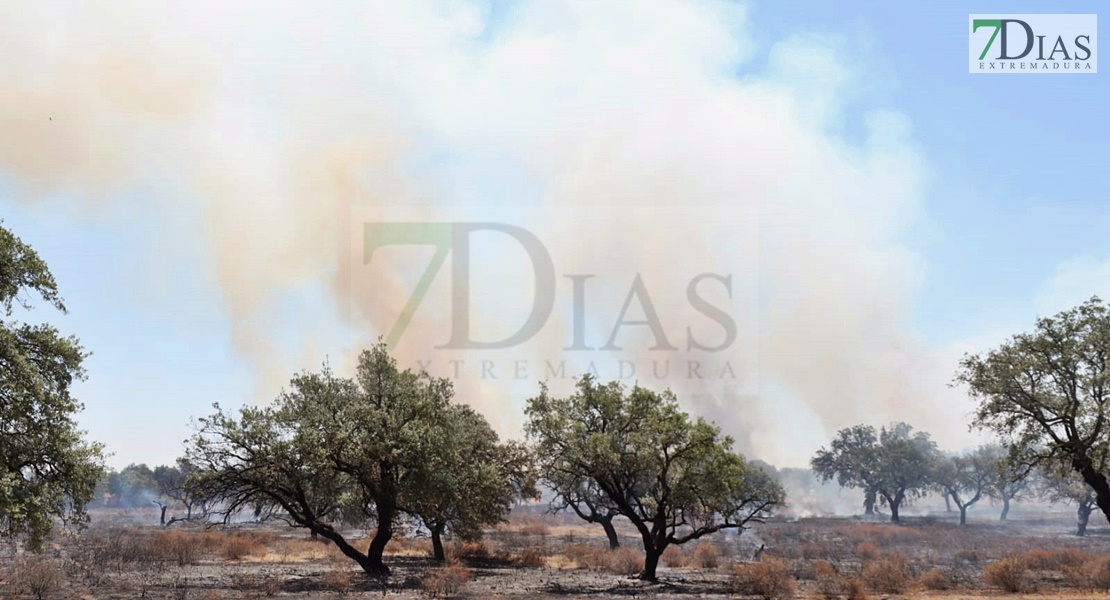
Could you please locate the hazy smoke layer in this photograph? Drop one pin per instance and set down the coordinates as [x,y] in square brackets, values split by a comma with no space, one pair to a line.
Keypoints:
[649,138]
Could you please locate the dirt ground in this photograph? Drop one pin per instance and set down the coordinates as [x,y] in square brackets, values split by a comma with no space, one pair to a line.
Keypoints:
[537,556]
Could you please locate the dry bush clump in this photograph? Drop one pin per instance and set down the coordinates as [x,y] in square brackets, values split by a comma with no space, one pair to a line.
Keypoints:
[538,528]
[237,547]
[445,582]
[530,557]
[472,549]
[625,561]
[887,575]
[935,579]
[1056,559]
[867,551]
[621,561]
[768,579]
[176,546]
[1010,573]
[35,576]
[856,589]
[675,557]
[1093,574]
[409,547]
[706,556]
[586,557]
[830,584]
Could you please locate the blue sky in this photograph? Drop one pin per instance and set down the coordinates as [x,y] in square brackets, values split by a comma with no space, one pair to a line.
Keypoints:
[1008,219]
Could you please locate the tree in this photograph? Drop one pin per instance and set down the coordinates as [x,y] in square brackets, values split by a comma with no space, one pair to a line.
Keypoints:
[676,479]
[851,461]
[894,463]
[472,480]
[47,469]
[137,486]
[582,496]
[173,487]
[966,479]
[1059,483]
[1046,392]
[1013,478]
[374,447]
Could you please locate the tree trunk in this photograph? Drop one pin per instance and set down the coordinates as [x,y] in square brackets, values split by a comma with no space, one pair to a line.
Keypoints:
[1084,517]
[1096,480]
[372,568]
[381,538]
[1005,508]
[651,563]
[162,518]
[947,502]
[894,503]
[610,532]
[437,544]
[869,502]
[963,515]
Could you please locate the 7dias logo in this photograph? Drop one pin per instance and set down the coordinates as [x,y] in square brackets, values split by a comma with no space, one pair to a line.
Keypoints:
[1032,44]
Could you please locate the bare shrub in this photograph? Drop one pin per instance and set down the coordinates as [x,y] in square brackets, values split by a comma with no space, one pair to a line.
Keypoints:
[706,556]
[856,589]
[867,551]
[176,546]
[1056,559]
[1091,575]
[239,546]
[1010,573]
[530,557]
[472,549]
[935,580]
[830,585]
[538,528]
[624,561]
[36,576]
[887,575]
[675,557]
[768,579]
[445,582]
[586,557]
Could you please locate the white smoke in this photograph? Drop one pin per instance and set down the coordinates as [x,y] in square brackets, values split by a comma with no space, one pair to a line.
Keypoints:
[655,122]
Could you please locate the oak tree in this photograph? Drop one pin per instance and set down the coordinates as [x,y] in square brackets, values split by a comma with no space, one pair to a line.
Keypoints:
[676,479]
[47,469]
